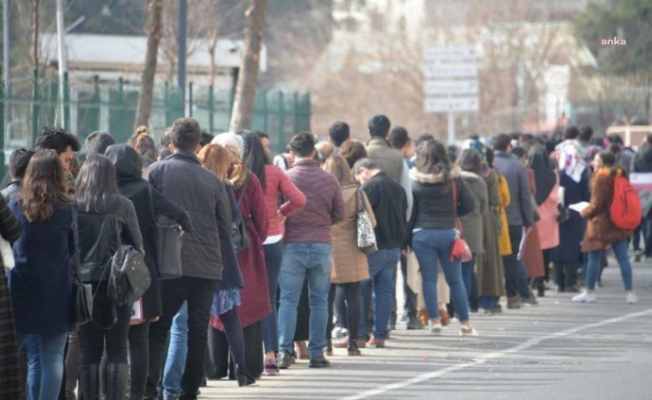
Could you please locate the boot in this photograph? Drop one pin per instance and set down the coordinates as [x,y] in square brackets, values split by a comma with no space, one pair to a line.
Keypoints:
[117,385]
[423,316]
[89,381]
[445,317]
[513,303]
[243,376]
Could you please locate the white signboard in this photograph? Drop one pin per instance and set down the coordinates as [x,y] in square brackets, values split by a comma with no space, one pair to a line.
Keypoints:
[469,70]
[447,87]
[438,53]
[452,104]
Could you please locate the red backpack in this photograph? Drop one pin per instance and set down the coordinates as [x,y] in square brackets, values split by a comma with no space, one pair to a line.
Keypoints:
[625,207]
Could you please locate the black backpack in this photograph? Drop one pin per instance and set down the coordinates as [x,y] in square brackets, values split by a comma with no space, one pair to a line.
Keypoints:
[129,277]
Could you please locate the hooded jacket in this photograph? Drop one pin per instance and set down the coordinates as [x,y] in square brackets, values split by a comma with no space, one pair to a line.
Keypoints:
[128,166]
[181,179]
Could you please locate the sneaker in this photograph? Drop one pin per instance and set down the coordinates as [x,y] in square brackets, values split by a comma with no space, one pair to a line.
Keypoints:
[468,331]
[436,329]
[585,297]
[271,369]
[319,362]
[284,360]
[414,324]
[631,298]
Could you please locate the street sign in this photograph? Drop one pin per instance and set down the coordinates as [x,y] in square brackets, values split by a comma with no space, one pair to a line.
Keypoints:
[452,104]
[448,87]
[437,53]
[466,70]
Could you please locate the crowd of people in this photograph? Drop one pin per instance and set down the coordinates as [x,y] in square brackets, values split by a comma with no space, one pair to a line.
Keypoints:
[279,251]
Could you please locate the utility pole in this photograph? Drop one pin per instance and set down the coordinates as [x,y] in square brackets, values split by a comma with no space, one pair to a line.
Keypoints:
[61,33]
[181,49]
[5,45]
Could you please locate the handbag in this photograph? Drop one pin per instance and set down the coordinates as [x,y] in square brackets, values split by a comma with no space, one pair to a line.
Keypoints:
[165,237]
[366,237]
[460,250]
[83,292]
[239,235]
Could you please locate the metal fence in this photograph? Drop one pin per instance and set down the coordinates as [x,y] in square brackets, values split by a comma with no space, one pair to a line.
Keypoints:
[31,102]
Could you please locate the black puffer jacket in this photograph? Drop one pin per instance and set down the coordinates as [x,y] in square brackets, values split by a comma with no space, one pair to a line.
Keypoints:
[128,166]
[98,237]
[183,181]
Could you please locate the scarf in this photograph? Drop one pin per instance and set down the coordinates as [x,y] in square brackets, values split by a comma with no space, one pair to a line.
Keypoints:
[570,157]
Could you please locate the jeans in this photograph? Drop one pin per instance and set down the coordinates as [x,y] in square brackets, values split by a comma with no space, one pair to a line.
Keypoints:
[177,353]
[301,261]
[595,259]
[273,260]
[467,274]
[44,364]
[487,303]
[198,293]
[511,262]
[432,246]
[382,271]
[523,286]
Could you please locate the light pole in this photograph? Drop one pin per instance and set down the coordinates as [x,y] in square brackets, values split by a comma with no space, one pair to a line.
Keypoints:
[181,55]
[61,33]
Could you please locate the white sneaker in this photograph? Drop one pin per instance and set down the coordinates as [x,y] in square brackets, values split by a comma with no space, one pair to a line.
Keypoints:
[468,331]
[585,297]
[631,298]
[436,329]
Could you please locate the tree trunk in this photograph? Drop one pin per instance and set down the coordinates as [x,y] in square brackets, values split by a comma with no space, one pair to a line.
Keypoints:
[36,8]
[145,97]
[245,95]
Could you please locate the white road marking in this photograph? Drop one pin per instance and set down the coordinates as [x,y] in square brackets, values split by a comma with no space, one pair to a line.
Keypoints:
[490,356]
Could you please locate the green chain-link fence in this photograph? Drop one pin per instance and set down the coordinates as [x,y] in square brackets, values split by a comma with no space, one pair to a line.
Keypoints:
[94,105]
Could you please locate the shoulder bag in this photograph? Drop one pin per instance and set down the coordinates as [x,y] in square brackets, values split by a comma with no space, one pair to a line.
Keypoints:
[366,236]
[165,238]
[239,231]
[460,250]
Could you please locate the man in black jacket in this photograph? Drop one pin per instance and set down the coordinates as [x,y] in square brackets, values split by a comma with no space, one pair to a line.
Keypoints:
[389,202]
[181,178]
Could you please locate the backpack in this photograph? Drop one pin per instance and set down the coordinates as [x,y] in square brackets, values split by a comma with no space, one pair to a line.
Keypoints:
[625,207]
[129,277]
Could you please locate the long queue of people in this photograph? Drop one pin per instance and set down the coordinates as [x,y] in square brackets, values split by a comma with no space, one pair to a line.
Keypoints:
[277,252]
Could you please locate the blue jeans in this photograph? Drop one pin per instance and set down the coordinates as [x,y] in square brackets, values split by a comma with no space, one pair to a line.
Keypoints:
[487,303]
[595,259]
[431,246]
[300,261]
[382,274]
[44,364]
[177,352]
[273,260]
[467,274]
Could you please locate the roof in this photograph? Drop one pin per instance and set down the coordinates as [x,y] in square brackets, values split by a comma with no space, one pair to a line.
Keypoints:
[128,52]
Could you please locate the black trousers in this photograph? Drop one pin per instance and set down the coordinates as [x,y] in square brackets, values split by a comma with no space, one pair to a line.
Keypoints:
[139,357]
[348,294]
[410,307]
[199,294]
[222,360]
[510,262]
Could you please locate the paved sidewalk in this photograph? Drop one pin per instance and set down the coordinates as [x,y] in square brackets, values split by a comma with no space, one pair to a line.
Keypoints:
[556,350]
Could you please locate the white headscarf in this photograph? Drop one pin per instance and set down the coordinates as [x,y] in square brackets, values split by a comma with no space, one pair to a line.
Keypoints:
[231,139]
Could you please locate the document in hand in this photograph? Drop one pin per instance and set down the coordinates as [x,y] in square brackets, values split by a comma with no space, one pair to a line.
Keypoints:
[579,206]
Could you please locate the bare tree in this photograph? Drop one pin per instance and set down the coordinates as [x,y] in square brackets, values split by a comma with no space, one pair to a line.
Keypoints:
[245,95]
[144,109]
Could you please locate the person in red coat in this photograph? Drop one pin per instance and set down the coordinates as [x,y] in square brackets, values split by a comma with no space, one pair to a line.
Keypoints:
[255,294]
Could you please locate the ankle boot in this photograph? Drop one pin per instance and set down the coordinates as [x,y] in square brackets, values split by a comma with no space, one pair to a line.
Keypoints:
[117,385]
[89,381]
[513,303]
[243,376]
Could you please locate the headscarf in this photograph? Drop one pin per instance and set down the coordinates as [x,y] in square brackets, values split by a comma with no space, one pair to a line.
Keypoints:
[231,139]
[481,149]
[544,177]
[235,145]
[571,158]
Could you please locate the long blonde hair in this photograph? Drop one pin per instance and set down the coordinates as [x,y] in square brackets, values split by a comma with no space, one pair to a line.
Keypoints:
[339,167]
[143,143]
[216,159]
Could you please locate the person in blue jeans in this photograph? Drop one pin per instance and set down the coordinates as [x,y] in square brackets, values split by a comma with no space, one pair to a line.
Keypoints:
[601,233]
[176,356]
[308,251]
[440,197]
[388,200]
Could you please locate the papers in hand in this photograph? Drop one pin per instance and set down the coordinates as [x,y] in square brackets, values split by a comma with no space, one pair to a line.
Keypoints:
[579,207]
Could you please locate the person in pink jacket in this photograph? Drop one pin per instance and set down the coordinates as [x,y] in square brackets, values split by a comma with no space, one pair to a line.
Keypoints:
[275,185]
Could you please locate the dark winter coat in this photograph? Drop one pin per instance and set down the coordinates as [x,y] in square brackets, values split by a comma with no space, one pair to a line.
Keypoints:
[129,169]
[642,161]
[389,202]
[520,211]
[181,179]
[571,231]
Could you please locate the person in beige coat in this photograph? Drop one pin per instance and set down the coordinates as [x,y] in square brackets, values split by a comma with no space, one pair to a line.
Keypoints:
[350,265]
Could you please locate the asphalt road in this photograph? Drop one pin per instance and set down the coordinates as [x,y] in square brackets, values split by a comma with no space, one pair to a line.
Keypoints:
[556,350]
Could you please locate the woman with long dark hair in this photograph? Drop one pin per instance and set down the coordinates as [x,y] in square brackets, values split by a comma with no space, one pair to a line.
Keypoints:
[149,204]
[217,159]
[106,221]
[40,283]
[440,197]
[274,183]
